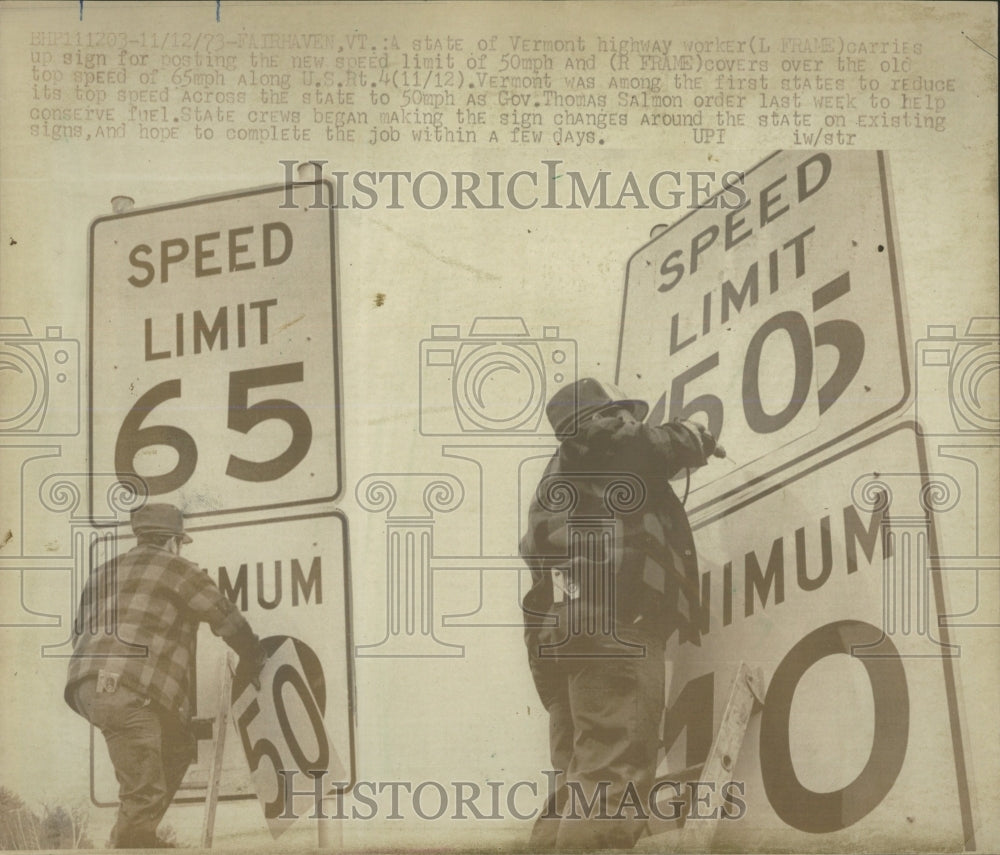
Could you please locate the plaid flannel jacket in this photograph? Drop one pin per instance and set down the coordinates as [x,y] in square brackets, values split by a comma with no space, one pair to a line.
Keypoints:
[139,616]
[655,565]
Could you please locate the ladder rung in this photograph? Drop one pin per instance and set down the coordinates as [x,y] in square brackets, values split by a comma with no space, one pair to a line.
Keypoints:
[745,696]
[682,774]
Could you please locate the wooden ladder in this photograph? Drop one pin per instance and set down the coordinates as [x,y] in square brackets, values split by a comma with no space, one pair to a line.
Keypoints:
[218,749]
[215,729]
[746,697]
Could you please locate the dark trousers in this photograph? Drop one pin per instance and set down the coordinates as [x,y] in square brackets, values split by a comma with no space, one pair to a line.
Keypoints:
[603,738]
[150,751]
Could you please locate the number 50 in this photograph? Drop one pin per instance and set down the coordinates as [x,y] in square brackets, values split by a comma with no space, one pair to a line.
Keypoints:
[243,417]
[844,335]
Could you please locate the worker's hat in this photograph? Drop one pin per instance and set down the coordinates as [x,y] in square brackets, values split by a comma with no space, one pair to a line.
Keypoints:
[572,405]
[159,518]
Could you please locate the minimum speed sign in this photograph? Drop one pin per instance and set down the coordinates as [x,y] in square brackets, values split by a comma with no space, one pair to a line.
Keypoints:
[290,577]
[214,372]
[773,314]
[828,582]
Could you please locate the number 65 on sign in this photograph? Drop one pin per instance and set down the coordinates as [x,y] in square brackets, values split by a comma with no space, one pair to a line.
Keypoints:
[214,367]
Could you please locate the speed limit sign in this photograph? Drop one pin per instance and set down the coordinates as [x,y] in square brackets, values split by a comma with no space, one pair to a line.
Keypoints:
[282,733]
[214,372]
[290,577]
[773,314]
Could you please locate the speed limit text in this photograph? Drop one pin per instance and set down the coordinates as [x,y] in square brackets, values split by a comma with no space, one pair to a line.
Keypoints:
[773,202]
[240,250]
[194,333]
[708,292]
[209,254]
[719,303]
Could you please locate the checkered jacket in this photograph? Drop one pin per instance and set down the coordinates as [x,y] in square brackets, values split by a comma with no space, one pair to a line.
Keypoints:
[653,559]
[139,616]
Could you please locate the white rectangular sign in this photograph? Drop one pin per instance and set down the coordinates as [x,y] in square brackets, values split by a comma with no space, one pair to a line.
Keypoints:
[827,584]
[284,740]
[772,314]
[214,372]
[291,579]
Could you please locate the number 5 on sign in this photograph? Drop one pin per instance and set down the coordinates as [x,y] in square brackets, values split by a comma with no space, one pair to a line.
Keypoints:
[132,438]
[777,322]
[214,375]
[281,730]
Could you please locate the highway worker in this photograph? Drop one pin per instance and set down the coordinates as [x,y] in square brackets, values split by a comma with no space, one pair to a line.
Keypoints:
[600,611]
[132,670]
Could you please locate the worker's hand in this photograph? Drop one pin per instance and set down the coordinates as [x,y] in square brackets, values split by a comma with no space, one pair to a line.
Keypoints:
[704,437]
[250,665]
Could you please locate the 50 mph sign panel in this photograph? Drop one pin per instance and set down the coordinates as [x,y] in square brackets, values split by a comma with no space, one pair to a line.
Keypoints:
[773,314]
[214,372]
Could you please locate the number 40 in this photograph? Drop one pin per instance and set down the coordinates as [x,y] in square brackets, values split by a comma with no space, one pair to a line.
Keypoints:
[243,417]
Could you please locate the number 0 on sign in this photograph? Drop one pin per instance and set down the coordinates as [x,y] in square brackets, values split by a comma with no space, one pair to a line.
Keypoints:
[282,733]
[772,314]
[214,372]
